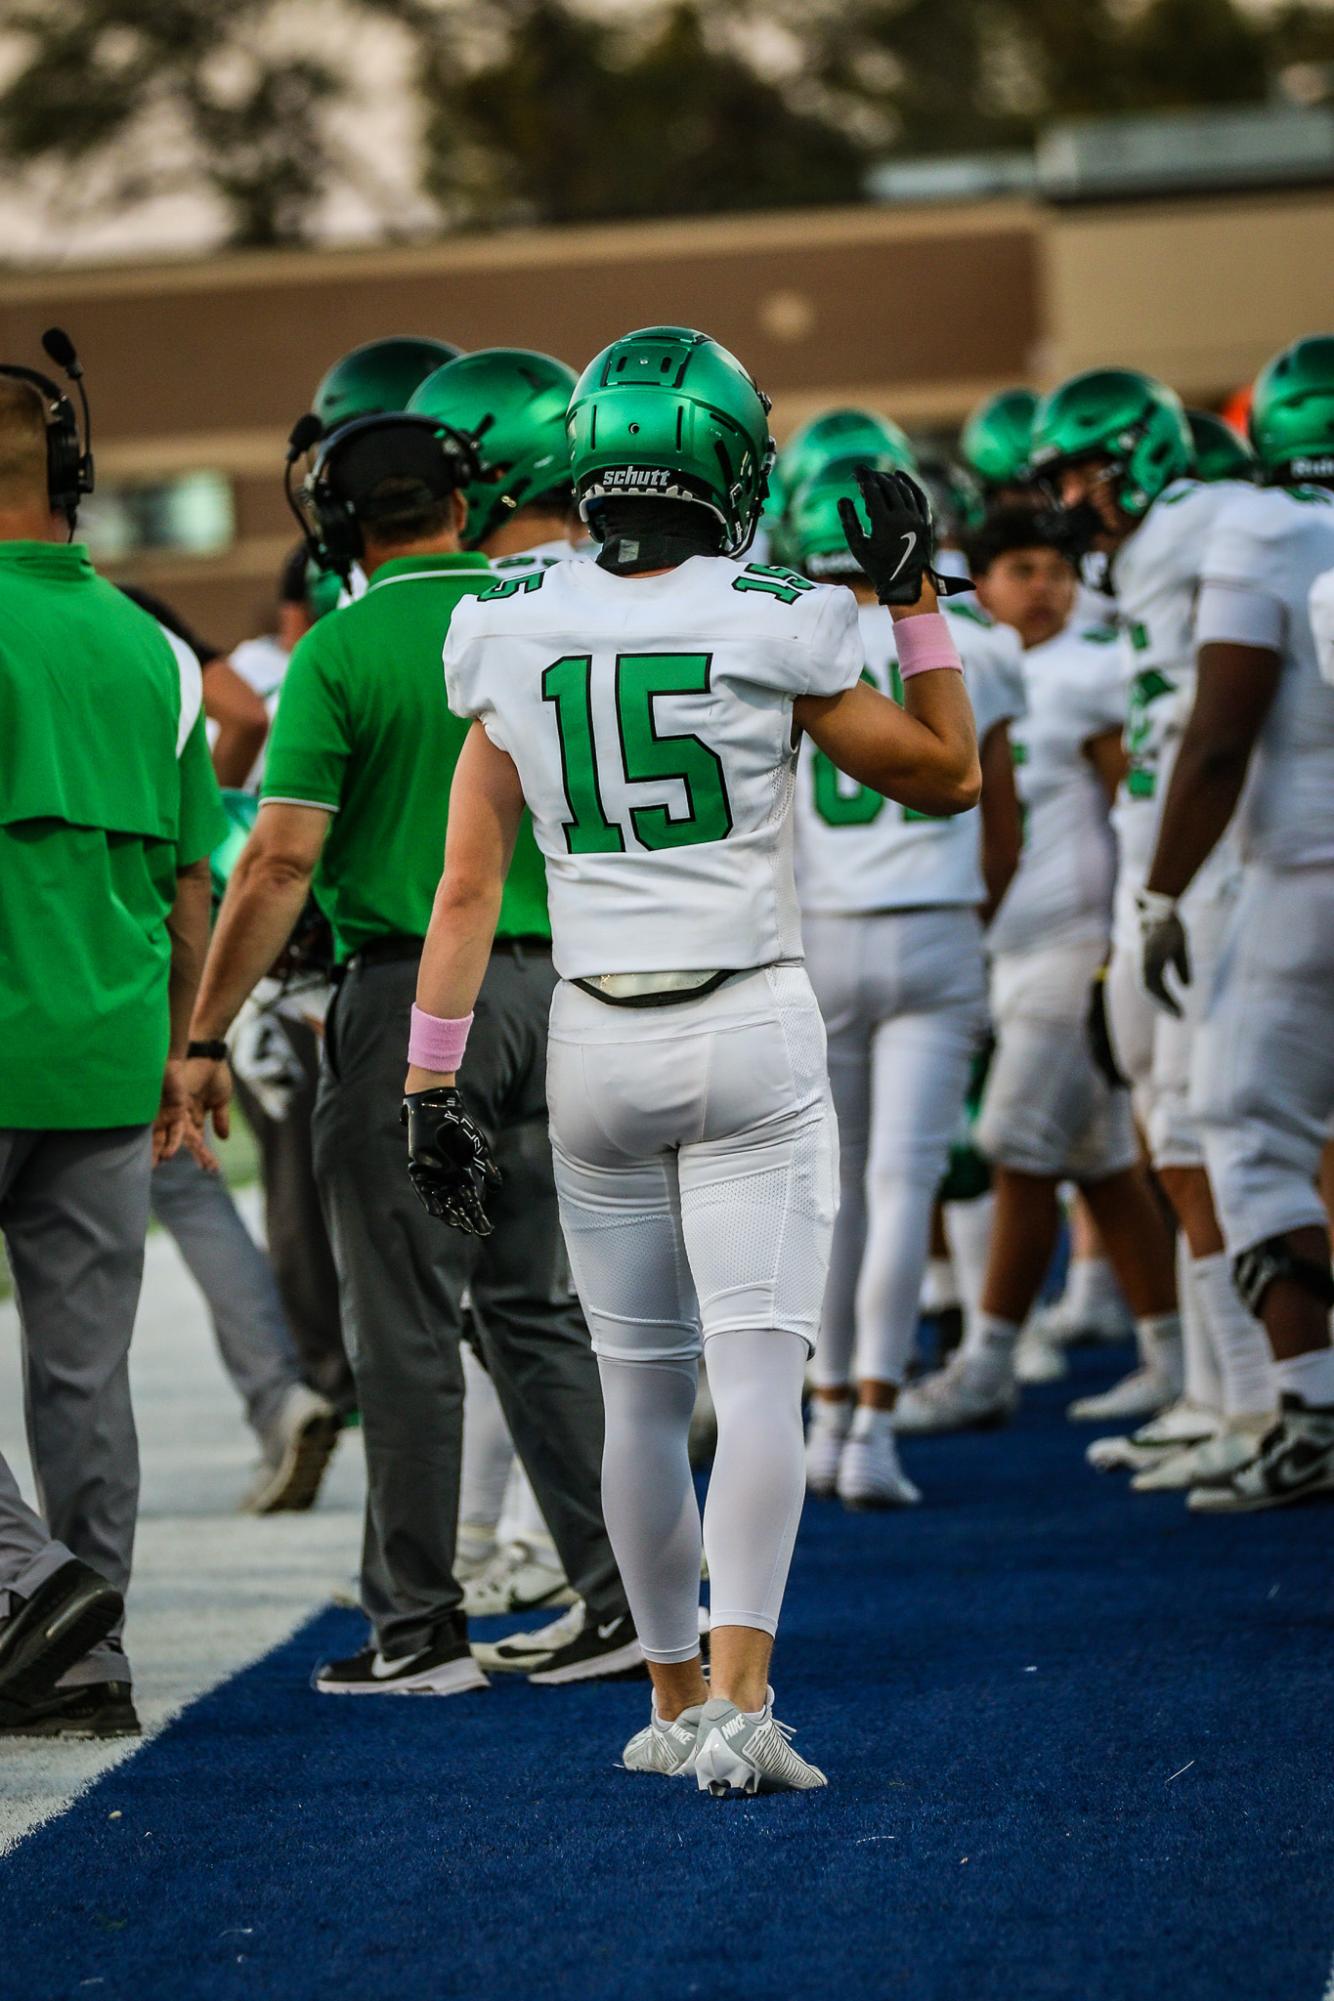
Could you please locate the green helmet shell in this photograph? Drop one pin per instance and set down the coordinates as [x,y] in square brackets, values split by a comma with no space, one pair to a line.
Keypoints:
[839,434]
[1117,414]
[1220,453]
[813,530]
[670,413]
[240,810]
[512,402]
[379,376]
[1292,411]
[994,442]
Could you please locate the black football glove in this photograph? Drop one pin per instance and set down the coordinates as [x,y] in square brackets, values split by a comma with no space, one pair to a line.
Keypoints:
[449,1161]
[896,555]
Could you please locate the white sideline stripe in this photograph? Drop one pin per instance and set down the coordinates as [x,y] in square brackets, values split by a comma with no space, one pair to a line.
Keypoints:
[213,1590]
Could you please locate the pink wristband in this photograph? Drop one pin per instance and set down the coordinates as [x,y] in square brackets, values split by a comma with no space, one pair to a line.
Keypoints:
[924,643]
[436,1043]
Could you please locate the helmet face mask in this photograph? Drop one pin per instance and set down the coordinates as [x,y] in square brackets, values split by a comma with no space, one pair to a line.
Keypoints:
[1292,414]
[512,402]
[1138,426]
[667,412]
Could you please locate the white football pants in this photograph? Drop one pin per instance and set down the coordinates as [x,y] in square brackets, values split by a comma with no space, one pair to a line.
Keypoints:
[903,994]
[696,1163]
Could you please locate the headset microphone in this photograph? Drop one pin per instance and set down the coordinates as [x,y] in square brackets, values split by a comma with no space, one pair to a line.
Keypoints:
[69,458]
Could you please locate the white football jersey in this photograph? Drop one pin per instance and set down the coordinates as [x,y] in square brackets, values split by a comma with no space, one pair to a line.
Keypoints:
[859,852]
[263,663]
[1322,624]
[1276,542]
[1062,892]
[650,719]
[1155,576]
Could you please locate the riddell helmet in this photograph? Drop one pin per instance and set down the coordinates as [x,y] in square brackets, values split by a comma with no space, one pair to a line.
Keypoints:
[994,442]
[512,403]
[815,540]
[1292,412]
[1117,414]
[1220,452]
[377,377]
[669,413]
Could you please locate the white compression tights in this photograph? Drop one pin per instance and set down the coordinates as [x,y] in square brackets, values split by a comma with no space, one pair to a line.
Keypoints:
[755,1491]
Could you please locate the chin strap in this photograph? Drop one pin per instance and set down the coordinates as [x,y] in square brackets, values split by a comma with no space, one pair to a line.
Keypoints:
[647,534]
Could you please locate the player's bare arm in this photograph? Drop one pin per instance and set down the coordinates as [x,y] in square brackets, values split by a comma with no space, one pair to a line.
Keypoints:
[1002,822]
[923,754]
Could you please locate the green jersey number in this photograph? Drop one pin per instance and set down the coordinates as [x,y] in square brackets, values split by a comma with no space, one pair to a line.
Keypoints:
[863,804]
[1147,688]
[643,680]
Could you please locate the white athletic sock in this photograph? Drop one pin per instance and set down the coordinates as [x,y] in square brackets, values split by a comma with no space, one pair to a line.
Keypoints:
[758,1483]
[988,1349]
[1237,1337]
[940,1288]
[968,1230]
[1090,1287]
[1160,1346]
[1202,1382]
[868,1423]
[648,1499]
[1310,1377]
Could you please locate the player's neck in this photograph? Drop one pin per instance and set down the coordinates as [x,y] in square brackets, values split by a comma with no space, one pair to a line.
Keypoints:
[525,531]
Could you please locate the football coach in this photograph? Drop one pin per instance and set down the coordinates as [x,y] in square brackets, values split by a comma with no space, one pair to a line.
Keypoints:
[354,802]
[108,811]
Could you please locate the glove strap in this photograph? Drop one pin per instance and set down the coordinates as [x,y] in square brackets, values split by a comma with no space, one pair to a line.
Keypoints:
[925,644]
[437,1042]
[1154,906]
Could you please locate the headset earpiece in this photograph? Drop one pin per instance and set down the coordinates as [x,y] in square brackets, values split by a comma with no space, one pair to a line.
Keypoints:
[69,457]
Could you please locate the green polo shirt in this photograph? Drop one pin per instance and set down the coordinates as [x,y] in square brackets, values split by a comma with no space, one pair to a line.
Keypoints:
[364,730]
[104,798]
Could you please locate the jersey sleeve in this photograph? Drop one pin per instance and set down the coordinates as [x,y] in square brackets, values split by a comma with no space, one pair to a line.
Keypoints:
[1322,624]
[466,679]
[310,743]
[835,656]
[200,823]
[1241,575]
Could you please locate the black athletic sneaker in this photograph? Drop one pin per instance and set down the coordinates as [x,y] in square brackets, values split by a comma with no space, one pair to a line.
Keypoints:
[604,1651]
[445,1668]
[61,1622]
[100,1709]
[1294,1462]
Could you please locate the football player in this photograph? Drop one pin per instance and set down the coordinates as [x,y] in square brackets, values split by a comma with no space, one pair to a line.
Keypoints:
[994,445]
[1220,452]
[1261,732]
[648,707]
[1115,447]
[892,904]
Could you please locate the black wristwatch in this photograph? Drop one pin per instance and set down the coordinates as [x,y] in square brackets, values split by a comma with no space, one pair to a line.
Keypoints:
[213,1052]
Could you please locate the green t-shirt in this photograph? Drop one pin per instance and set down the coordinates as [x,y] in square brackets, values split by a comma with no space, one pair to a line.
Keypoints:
[363,728]
[107,791]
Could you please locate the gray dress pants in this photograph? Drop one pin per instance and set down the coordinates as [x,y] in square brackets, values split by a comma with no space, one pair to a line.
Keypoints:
[74,1214]
[403,1276]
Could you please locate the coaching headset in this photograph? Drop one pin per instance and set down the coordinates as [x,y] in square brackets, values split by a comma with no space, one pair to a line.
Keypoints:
[425,459]
[69,457]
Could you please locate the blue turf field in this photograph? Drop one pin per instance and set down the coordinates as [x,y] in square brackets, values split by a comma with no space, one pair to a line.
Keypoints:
[1004,1689]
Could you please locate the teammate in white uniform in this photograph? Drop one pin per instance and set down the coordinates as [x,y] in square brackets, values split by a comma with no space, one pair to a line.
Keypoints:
[1047,1113]
[1117,444]
[890,905]
[1261,733]
[648,708]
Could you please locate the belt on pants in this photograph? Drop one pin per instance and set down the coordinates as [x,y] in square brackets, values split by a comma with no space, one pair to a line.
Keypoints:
[656,989]
[400,950]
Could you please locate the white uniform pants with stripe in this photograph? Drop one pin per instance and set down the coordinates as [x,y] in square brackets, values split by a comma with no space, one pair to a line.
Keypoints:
[696,1163]
[903,994]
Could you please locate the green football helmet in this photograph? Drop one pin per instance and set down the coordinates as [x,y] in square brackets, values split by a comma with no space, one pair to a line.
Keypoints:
[995,439]
[379,376]
[1220,452]
[1117,414]
[813,530]
[667,412]
[240,810]
[839,434]
[1292,412]
[512,403]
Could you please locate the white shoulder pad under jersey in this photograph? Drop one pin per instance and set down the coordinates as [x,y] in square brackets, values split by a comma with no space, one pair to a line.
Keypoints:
[1062,892]
[1275,542]
[1155,577]
[650,719]
[540,557]
[858,851]
[1322,624]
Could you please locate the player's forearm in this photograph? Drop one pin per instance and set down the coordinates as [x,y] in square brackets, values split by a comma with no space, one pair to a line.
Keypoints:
[454,958]
[235,749]
[187,926]
[264,899]
[1206,784]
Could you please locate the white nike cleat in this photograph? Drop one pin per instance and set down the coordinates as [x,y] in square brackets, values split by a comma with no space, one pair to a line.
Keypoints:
[737,1753]
[964,1396]
[1065,1327]
[520,1653]
[870,1476]
[1037,1359]
[1294,1462]
[1142,1393]
[1183,1423]
[826,1431]
[1232,1446]
[666,1748]
[521,1577]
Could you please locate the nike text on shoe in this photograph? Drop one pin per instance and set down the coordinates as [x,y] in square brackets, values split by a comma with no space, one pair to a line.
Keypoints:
[960,1397]
[520,1653]
[97,1709]
[1183,1423]
[1139,1394]
[47,1633]
[605,1650]
[446,1668]
[738,1753]
[519,1578]
[1295,1462]
[665,1748]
